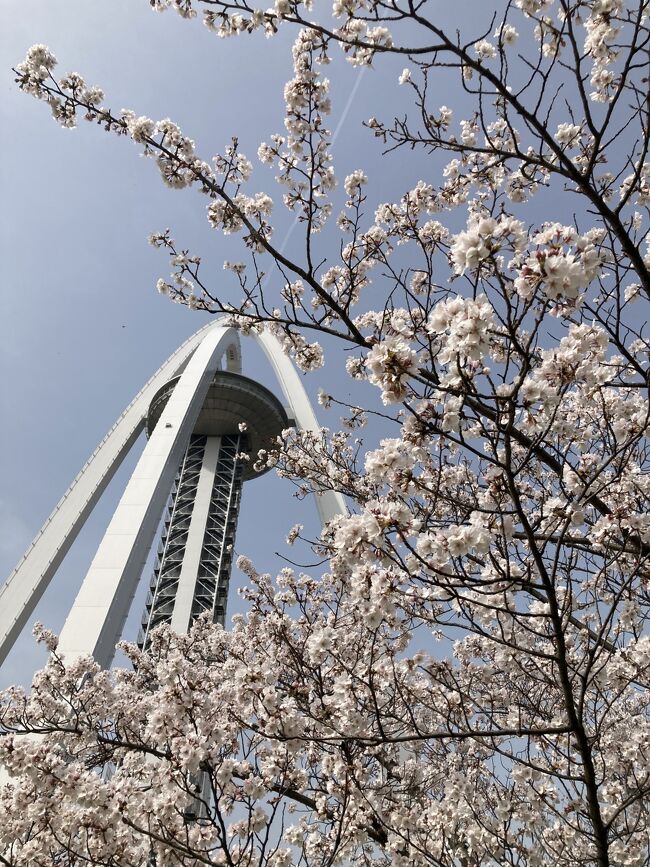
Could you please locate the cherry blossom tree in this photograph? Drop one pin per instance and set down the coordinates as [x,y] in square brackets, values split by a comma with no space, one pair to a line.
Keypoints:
[464,680]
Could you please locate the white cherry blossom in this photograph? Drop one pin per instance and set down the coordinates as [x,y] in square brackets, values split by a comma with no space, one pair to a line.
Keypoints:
[460,674]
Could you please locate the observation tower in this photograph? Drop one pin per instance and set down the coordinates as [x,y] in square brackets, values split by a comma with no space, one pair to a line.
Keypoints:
[200,416]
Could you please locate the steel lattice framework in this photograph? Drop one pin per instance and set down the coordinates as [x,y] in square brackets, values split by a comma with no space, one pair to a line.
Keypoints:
[211,588]
[159,605]
[216,557]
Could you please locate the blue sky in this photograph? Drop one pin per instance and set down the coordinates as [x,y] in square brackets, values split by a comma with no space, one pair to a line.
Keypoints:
[82,325]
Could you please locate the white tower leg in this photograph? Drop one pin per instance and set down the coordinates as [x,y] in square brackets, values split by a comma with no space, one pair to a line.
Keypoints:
[97,616]
[331,503]
[29,580]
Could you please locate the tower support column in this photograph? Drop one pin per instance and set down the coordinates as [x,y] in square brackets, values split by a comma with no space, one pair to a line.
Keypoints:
[96,619]
[192,571]
[181,618]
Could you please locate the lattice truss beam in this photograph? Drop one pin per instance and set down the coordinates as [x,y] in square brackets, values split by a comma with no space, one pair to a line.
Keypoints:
[219,527]
[216,555]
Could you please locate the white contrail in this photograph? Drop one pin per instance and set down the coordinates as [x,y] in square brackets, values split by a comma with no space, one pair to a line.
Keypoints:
[348,104]
[339,125]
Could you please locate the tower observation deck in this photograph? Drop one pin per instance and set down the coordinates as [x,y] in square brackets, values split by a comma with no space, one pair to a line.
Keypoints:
[192,570]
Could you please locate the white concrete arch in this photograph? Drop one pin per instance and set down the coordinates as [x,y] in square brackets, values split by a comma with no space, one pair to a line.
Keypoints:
[331,503]
[28,581]
[97,616]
